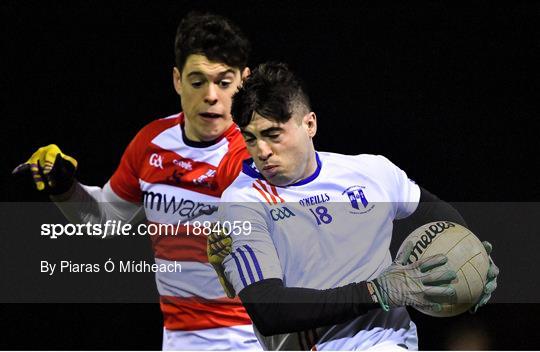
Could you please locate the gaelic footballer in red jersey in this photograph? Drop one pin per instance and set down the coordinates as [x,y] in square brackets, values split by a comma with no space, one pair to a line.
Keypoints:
[174,170]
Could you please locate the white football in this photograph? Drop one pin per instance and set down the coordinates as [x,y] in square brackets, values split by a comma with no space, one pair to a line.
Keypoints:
[466,256]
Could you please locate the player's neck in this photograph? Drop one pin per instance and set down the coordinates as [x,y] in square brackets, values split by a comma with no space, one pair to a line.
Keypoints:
[195,142]
[310,168]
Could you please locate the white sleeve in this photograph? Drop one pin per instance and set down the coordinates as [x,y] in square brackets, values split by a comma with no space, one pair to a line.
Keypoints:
[405,192]
[92,204]
[254,256]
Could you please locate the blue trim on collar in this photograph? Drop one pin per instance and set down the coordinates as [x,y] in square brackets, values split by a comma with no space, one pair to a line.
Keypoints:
[249,170]
[253,172]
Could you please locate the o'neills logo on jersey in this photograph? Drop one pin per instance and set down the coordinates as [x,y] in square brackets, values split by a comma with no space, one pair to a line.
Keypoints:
[281,213]
[183,164]
[183,207]
[319,198]
[358,200]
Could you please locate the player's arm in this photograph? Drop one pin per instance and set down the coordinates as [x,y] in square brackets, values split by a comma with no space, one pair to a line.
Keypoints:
[254,270]
[97,205]
[277,309]
[53,172]
[431,208]
[417,206]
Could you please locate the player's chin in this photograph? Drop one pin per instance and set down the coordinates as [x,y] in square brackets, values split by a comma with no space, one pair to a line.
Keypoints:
[277,179]
[211,121]
[212,130]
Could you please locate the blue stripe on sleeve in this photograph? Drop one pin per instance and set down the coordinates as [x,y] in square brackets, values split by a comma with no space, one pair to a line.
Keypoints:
[255,261]
[239,269]
[246,262]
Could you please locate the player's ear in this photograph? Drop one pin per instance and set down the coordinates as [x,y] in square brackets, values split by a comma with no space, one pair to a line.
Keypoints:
[310,123]
[245,73]
[177,80]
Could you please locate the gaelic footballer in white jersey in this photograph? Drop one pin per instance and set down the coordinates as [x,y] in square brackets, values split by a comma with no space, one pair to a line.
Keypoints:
[344,211]
[314,271]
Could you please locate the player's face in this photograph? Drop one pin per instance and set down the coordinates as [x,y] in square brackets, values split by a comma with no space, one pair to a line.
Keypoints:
[206,89]
[283,152]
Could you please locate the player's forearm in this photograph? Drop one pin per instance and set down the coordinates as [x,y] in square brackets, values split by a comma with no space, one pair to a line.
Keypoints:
[276,309]
[83,204]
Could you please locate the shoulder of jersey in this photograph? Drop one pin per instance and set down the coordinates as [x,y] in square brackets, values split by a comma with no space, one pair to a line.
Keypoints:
[335,161]
[240,190]
[155,127]
[244,187]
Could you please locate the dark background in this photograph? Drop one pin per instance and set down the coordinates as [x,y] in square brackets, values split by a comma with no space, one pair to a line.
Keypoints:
[448,92]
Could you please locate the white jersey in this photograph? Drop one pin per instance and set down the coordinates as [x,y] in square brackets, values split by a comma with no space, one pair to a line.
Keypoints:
[329,230]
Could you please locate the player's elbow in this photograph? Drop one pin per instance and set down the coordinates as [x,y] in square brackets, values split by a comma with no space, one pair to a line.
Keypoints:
[266,330]
[265,319]
[262,301]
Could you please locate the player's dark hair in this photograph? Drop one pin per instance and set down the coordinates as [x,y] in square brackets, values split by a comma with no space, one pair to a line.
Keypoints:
[272,91]
[213,36]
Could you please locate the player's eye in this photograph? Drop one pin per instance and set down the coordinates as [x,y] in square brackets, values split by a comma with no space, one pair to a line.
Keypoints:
[196,84]
[249,141]
[225,83]
[273,136]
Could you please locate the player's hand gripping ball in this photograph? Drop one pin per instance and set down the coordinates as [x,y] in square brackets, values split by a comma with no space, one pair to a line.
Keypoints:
[218,246]
[424,284]
[476,273]
[51,170]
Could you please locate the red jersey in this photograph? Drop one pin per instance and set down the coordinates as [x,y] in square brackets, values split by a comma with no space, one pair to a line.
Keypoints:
[175,182]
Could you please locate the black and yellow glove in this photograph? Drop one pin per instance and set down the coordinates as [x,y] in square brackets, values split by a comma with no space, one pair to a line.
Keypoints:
[218,246]
[52,171]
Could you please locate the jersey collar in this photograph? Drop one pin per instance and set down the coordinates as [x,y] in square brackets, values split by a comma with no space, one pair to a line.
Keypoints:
[313,175]
[226,134]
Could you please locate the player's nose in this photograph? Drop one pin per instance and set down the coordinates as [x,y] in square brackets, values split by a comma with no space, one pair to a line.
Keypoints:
[211,96]
[263,150]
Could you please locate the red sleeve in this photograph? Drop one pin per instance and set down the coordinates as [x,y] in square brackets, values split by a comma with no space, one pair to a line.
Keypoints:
[125,180]
[231,165]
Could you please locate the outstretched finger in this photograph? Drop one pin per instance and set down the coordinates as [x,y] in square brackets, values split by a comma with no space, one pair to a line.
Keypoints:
[426,264]
[37,176]
[223,253]
[439,276]
[47,160]
[440,294]
[220,245]
[493,271]
[490,287]
[404,255]
[216,236]
[487,246]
